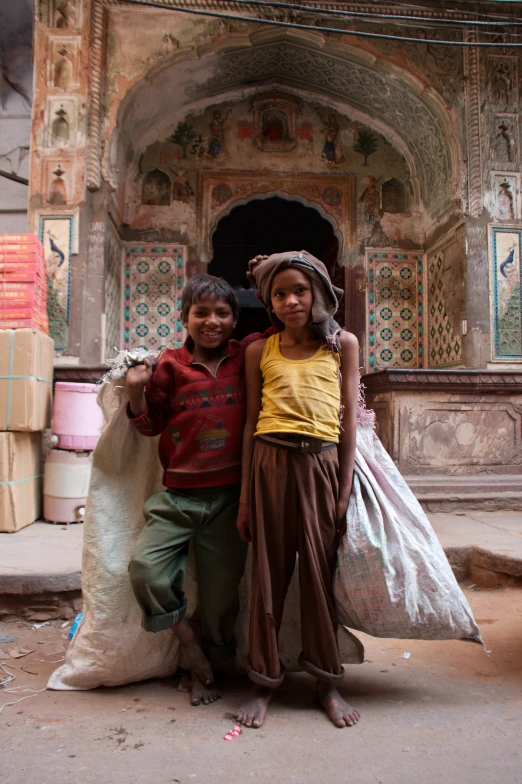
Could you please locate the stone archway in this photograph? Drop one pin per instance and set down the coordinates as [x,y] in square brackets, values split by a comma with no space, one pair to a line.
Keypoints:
[269,225]
[333,197]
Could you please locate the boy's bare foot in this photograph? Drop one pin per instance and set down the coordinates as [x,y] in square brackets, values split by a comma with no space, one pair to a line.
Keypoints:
[253,712]
[193,653]
[340,712]
[202,693]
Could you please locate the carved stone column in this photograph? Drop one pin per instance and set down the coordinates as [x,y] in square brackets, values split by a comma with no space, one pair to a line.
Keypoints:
[473,129]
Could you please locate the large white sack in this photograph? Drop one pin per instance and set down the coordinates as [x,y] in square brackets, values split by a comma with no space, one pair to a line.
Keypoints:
[393,578]
[110,648]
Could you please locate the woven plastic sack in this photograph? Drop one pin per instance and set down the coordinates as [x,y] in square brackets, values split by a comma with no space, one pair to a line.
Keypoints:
[110,647]
[393,578]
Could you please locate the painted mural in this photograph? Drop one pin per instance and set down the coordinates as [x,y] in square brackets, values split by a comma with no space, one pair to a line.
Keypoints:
[506,245]
[278,138]
[395,310]
[56,234]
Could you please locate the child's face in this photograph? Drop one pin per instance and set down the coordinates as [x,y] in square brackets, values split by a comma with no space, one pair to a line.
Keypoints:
[210,322]
[292,298]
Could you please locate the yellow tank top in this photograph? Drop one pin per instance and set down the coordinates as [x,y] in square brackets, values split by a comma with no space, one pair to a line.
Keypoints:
[300,395]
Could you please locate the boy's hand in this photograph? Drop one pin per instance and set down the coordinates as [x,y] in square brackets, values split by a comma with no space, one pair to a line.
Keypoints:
[243,523]
[138,377]
[136,380]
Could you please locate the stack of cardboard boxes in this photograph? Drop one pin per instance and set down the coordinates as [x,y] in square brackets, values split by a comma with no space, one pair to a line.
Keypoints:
[23,283]
[26,369]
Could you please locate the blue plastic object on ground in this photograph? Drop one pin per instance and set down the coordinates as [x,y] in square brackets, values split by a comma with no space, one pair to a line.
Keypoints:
[75,625]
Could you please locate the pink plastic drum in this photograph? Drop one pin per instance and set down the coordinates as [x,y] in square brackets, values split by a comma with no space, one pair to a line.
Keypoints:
[77,418]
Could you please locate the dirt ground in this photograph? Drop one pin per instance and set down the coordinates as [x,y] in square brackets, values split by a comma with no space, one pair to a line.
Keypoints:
[448,713]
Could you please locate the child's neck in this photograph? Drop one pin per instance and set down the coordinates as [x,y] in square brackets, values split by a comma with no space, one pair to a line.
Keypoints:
[298,336]
[301,343]
[203,354]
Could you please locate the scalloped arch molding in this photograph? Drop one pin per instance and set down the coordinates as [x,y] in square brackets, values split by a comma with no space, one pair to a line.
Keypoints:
[412,116]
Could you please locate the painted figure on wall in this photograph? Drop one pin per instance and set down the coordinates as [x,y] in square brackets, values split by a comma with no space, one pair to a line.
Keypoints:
[505,201]
[63,70]
[58,192]
[217,134]
[60,129]
[501,83]
[332,152]
[182,190]
[371,200]
[503,143]
[509,336]
[156,189]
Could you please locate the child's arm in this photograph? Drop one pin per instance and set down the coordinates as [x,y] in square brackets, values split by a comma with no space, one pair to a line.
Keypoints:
[349,392]
[254,385]
[149,406]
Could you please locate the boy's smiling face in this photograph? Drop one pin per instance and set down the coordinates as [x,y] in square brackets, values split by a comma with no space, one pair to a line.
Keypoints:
[210,322]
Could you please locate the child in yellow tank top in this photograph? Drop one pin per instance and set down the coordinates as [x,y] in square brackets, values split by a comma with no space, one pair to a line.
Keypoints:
[298,460]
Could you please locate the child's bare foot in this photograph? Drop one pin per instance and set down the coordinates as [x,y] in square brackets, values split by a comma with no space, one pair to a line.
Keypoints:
[253,712]
[202,693]
[340,712]
[193,654]
[198,662]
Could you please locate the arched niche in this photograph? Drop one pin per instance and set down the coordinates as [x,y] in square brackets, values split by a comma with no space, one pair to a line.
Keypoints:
[395,196]
[156,188]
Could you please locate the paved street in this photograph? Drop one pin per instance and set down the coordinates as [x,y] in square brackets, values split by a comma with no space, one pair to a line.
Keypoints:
[448,713]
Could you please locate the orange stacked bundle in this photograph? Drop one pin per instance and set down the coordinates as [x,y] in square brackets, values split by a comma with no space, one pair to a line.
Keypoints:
[23,284]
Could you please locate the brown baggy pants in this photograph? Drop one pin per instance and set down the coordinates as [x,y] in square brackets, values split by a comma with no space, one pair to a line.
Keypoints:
[293,510]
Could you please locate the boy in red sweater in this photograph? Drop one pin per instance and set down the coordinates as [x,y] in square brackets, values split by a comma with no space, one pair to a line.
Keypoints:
[194,398]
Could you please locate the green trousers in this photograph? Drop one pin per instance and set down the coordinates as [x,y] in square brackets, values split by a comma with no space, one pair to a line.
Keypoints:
[158,564]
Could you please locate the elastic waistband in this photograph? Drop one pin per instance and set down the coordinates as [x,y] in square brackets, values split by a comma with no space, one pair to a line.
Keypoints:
[301,444]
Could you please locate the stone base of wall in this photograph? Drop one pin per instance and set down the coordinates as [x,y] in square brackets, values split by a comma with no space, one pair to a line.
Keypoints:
[455,435]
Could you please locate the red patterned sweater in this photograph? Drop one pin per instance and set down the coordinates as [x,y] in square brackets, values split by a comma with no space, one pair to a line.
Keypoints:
[200,416]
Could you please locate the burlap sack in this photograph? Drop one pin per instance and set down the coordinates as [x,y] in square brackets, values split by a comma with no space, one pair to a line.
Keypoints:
[393,578]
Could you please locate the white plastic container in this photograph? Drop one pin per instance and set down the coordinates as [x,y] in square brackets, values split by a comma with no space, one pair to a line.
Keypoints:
[66,484]
[77,418]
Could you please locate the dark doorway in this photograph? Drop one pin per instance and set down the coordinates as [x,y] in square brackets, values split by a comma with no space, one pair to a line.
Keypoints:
[269,226]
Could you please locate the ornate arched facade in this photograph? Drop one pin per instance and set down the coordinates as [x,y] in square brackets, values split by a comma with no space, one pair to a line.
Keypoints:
[173,120]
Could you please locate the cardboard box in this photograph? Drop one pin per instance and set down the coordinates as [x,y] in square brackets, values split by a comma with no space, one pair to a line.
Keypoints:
[20,480]
[39,323]
[17,238]
[24,258]
[26,373]
[27,300]
[22,274]
[7,284]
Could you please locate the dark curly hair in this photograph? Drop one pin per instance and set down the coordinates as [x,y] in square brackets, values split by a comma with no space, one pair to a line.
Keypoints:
[204,285]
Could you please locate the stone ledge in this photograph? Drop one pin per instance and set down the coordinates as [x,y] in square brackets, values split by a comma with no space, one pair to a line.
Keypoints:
[456,381]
